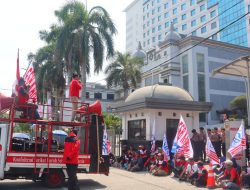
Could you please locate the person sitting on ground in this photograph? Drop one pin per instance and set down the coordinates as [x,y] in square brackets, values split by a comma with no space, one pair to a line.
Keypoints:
[160,167]
[150,161]
[188,173]
[136,163]
[245,177]
[143,153]
[179,165]
[230,178]
[200,177]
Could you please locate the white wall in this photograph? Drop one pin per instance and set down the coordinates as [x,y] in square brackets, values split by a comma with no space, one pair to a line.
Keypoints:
[192,122]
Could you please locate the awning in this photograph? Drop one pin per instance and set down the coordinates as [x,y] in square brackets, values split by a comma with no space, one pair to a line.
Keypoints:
[239,67]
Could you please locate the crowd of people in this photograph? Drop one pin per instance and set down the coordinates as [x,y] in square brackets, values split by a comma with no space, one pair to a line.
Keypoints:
[228,173]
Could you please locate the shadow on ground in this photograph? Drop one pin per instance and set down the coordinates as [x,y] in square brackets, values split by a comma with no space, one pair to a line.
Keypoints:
[85,184]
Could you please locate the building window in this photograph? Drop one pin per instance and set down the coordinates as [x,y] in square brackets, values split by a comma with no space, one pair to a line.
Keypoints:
[183,7]
[159,9]
[137,129]
[166,24]
[174,11]
[152,3]
[213,25]
[153,39]
[159,27]
[166,15]
[159,18]
[148,42]
[185,82]
[202,7]
[192,2]
[144,26]
[158,1]
[87,94]
[185,64]
[110,96]
[200,62]
[165,5]
[144,44]
[194,33]
[148,23]
[176,29]
[248,8]
[144,35]
[148,33]
[153,30]
[203,18]
[193,12]
[147,15]
[183,17]
[144,18]
[184,27]
[159,37]
[175,21]
[214,37]
[201,87]
[153,20]
[98,95]
[153,12]
[203,29]
[193,23]
[174,2]
[213,14]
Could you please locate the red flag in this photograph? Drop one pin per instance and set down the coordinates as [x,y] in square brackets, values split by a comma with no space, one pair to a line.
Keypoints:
[30,80]
[182,142]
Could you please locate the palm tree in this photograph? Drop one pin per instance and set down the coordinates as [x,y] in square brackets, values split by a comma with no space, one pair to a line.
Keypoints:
[83,33]
[124,71]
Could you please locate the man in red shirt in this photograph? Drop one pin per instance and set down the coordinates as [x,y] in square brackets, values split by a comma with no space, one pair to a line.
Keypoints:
[230,178]
[70,158]
[74,93]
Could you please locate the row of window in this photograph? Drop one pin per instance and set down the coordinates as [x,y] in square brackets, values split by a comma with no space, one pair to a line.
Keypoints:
[184,27]
[166,5]
[98,95]
[159,37]
[174,11]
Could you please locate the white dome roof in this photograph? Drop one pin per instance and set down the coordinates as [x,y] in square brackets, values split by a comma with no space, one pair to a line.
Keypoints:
[161,92]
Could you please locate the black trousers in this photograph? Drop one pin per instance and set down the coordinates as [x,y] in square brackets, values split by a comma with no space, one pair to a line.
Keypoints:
[72,181]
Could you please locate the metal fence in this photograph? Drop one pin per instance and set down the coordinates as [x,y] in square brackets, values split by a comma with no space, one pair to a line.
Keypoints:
[114,139]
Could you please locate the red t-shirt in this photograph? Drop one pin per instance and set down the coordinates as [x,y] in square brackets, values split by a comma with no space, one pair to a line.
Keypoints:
[233,175]
[74,88]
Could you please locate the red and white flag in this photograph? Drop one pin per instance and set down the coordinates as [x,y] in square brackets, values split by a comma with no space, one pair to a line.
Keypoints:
[30,80]
[14,87]
[211,152]
[182,141]
[239,142]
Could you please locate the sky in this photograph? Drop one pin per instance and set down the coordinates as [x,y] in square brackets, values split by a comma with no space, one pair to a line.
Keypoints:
[21,22]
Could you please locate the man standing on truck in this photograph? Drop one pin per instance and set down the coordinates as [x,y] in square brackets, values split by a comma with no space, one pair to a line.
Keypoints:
[74,93]
[70,158]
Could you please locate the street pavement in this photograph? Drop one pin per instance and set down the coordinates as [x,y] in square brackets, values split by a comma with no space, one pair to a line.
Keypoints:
[117,180]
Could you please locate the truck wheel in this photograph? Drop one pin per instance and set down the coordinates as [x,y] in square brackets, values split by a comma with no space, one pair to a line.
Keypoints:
[55,178]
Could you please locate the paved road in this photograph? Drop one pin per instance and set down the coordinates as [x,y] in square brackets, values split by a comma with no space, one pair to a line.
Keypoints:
[117,180]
